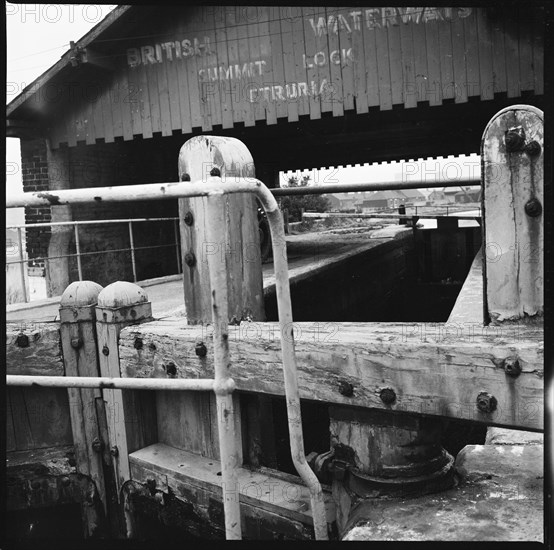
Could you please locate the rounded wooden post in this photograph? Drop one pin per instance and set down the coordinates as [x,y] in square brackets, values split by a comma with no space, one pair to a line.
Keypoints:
[200,158]
[86,406]
[131,415]
[513,215]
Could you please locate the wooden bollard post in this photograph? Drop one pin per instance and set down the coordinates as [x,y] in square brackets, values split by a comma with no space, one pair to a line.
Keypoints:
[131,415]
[513,214]
[86,406]
[199,158]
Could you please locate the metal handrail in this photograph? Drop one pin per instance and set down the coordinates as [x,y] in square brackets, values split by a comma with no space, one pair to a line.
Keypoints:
[223,384]
[79,254]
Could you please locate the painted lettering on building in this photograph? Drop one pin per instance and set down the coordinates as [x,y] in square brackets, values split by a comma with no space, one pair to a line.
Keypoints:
[174,50]
[232,72]
[381,18]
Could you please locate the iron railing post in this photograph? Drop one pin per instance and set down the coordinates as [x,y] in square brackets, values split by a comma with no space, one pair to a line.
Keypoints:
[133,262]
[177,251]
[22,265]
[78,250]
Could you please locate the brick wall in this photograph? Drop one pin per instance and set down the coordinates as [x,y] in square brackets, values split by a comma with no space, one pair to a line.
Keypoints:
[35,178]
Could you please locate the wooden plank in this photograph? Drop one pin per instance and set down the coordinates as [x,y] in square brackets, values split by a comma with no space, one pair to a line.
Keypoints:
[184,99]
[188,421]
[472,54]
[107,114]
[97,111]
[434,78]
[448,89]
[155,115]
[370,60]
[134,98]
[126,103]
[236,84]
[277,66]
[358,66]
[40,417]
[484,42]
[512,54]
[432,368]
[346,58]
[318,24]
[255,99]
[333,26]
[163,96]
[71,123]
[525,26]
[210,88]
[173,89]
[499,55]
[90,130]
[299,49]
[41,357]
[260,490]
[458,60]
[395,57]
[420,58]
[307,59]
[513,240]
[225,86]
[288,64]
[117,94]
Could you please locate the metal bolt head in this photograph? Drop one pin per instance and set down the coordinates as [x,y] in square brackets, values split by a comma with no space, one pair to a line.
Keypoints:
[76,343]
[486,402]
[22,340]
[189,218]
[346,388]
[97,445]
[533,148]
[66,481]
[200,349]
[106,350]
[215,172]
[387,395]
[171,368]
[138,343]
[533,208]
[190,259]
[515,139]
[185,177]
[114,451]
[512,366]
[35,485]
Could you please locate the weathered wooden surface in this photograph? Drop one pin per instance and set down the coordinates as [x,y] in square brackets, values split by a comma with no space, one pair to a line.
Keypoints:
[239,239]
[513,239]
[42,354]
[223,65]
[131,415]
[433,368]
[194,478]
[86,406]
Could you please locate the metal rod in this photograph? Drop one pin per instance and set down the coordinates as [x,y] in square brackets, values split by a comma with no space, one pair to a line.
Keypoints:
[372,186]
[322,215]
[78,250]
[177,250]
[95,252]
[21,266]
[284,308]
[177,384]
[90,222]
[200,188]
[133,261]
[217,264]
